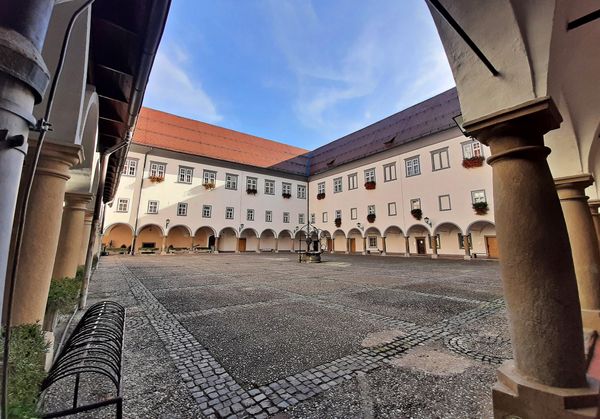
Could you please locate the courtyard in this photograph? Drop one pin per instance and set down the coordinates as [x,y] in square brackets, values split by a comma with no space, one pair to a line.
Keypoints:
[261,335]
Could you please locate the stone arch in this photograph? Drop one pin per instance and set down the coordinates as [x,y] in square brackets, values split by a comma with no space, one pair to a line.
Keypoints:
[340,244]
[395,241]
[117,236]
[149,236]
[374,240]
[268,240]
[355,241]
[284,241]
[483,238]
[449,238]
[251,238]
[418,240]
[179,237]
[204,237]
[227,240]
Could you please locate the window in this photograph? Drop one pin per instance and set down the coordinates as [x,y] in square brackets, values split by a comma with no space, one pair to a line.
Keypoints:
[461,242]
[185,174]
[478,196]
[444,202]
[472,149]
[231,181]
[250,215]
[286,188]
[321,187]
[440,159]
[338,213]
[269,187]
[268,216]
[209,176]
[300,218]
[352,181]
[122,205]
[392,208]
[353,213]
[130,167]
[373,241]
[182,209]
[157,169]
[206,211]
[286,217]
[301,192]
[252,183]
[313,218]
[324,217]
[152,207]
[389,172]
[337,185]
[229,213]
[413,166]
[371,209]
[415,204]
[370,175]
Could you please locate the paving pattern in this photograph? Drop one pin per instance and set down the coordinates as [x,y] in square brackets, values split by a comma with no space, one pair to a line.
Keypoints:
[261,335]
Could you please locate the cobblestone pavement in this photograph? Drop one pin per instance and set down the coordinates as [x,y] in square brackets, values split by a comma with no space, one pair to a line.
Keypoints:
[257,336]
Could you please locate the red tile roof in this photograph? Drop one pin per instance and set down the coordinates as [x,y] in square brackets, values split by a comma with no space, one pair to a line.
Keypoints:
[163,130]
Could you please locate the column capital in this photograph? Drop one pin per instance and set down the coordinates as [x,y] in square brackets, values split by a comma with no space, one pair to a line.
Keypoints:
[594,204]
[538,115]
[57,158]
[573,187]
[78,201]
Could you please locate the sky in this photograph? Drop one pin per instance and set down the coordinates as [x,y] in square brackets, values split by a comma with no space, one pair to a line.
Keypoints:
[300,72]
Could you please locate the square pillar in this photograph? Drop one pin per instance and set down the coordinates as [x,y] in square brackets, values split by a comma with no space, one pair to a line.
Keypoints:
[406,246]
[434,247]
[383,244]
[466,246]
[87,230]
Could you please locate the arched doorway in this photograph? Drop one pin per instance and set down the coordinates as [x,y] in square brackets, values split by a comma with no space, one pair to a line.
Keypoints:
[179,238]
[374,241]
[248,241]
[268,241]
[227,240]
[355,241]
[395,242]
[326,241]
[117,238]
[204,239]
[284,241]
[340,244]
[449,239]
[149,239]
[418,240]
[300,241]
[483,239]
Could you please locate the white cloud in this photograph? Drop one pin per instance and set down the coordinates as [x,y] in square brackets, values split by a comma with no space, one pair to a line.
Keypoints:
[171,88]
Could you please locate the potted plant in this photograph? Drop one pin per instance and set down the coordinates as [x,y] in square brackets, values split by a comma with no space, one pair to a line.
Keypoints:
[321,195]
[209,186]
[371,218]
[338,222]
[286,195]
[481,208]
[251,191]
[370,185]
[417,213]
[156,179]
[476,161]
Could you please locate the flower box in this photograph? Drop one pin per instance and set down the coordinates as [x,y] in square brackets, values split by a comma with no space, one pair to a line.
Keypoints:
[370,185]
[321,195]
[417,213]
[471,162]
[371,218]
[156,179]
[209,186]
[481,208]
[338,222]
[251,191]
[286,195]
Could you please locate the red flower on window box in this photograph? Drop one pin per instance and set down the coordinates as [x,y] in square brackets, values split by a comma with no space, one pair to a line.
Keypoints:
[338,222]
[370,185]
[156,179]
[251,191]
[371,218]
[321,195]
[481,208]
[471,162]
[417,213]
[286,195]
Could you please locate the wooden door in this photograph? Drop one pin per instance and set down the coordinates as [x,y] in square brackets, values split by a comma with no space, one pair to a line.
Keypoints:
[421,245]
[492,247]
[352,245]
[330,245]
[242,244]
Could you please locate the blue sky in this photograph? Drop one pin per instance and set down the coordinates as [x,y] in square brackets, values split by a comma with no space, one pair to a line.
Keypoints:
[297,71]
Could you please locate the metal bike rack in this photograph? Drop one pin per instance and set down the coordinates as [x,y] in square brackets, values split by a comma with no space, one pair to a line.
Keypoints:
[94,347]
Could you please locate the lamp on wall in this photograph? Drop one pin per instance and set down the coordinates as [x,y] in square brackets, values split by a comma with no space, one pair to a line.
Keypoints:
[428,221]
[241,227]
[167,221]
[360,226]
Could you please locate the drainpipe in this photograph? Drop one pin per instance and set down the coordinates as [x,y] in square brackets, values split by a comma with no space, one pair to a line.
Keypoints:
[137,210]
[104,158]
[23,81]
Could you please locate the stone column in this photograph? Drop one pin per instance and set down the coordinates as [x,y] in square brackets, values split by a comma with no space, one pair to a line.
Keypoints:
[406,246]
[383,244]
[536,268]
[466,246]
[276,244]
[594,205]
[216,245]
[163,246]
[434,246]
[69,246]
[347,245]
[584,244]
[237,246]
[133,241]
[41,232]
[87,230]
[258,245]
[364,240]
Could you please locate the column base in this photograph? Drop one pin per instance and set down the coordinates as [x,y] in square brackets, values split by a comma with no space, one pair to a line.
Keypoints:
[434,256]
[591,319]
[215,251]
[383,254]
[467,257]
[515,396]
[407,255]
